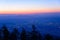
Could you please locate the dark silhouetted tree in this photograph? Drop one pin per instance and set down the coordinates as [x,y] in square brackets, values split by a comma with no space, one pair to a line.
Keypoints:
[35,35]
[0,35]
[48,37]
[14,34]
[39,36]
[5,33]
[23,34]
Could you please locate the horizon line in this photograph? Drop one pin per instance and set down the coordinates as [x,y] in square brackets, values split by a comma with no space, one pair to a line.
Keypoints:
[30,13]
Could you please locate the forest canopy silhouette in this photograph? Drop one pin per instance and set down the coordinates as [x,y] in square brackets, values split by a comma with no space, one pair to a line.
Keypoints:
[5,34]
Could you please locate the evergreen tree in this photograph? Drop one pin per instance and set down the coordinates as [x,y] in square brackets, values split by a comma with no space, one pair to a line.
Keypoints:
[35,35]
[48,37]
[23,34]
[5,33]
[14,34]
[0,35]
[39,36]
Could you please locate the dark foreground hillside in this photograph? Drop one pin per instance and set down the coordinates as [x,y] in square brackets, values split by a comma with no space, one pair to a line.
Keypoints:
[35,34]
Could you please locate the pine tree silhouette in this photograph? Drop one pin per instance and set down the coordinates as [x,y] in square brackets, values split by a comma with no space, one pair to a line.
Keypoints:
[5,33]
[23,34]
[14,34]
[35,35]
[0,35]
[39,36]
[48,37]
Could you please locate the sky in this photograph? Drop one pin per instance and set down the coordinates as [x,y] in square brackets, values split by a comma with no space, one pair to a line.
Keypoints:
[28,6]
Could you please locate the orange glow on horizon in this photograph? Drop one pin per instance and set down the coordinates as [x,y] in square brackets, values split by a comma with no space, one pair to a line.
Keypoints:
[27,11]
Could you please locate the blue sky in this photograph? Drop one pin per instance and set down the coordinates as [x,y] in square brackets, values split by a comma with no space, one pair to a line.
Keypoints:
[24,5]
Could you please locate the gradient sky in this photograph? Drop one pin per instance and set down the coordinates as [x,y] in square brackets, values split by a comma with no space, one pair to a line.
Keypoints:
[29,6]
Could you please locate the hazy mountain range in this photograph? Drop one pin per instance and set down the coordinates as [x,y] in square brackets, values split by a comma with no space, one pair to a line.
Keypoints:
[45,22]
